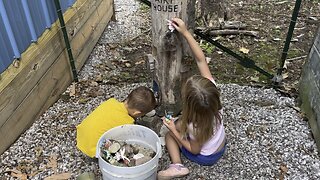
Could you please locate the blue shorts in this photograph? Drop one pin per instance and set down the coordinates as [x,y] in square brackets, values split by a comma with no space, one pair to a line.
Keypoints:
[202,159]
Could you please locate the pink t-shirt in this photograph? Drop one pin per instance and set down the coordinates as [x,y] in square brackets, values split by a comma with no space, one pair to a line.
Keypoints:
[212,145]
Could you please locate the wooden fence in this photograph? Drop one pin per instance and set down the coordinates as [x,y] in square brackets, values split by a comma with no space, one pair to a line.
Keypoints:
[44,72]
[309,88]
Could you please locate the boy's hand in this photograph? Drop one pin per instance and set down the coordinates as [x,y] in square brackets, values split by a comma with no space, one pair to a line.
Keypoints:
[179,25]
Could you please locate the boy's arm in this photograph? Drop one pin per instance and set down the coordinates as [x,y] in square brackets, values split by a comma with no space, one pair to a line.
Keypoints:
[195,48]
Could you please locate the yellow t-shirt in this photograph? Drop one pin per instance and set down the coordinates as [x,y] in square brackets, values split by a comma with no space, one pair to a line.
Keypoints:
[107,115]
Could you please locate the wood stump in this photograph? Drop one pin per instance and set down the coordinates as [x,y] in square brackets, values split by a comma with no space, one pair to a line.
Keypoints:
[170,51]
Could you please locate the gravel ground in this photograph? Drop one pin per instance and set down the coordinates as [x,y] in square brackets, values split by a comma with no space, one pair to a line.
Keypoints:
[268,137]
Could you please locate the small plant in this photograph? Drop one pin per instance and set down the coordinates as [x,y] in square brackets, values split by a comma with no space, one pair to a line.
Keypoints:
[207,47]
[144,8]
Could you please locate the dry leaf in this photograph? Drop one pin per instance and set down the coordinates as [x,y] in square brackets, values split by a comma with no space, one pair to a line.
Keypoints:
[296,108]
[73,89]
[283,168]
[254,79]
[287,87]
[208,60]
[243,117]
[216,38]
[18,174]
[140,62]
[281,176]
[93,84]
[59,176]
[35,173]
[83,100]
[38,151]
[244,50]
[285,75]
[52,162]
[281,2]
[99,78]
[127,65]
[313,18]
[285,66]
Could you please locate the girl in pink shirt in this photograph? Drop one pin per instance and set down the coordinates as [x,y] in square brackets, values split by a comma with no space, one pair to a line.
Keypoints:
[199,133]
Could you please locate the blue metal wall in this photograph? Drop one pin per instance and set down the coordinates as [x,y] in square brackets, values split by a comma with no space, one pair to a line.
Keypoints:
[22,22]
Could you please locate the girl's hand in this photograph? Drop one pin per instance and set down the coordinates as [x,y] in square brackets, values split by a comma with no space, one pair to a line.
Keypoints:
[169,123]
[179,25]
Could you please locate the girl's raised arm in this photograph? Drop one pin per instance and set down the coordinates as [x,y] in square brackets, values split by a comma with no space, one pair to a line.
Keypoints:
[202,64]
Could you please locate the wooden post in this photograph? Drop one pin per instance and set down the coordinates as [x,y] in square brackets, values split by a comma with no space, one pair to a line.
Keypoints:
[170,51]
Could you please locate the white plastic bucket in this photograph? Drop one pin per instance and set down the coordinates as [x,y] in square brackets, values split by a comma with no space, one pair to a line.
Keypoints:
[131,134]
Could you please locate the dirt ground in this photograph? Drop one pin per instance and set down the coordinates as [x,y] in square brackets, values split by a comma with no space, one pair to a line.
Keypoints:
[270,19]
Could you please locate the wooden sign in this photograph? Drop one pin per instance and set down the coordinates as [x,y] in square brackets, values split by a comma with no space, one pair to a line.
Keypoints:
[165,6]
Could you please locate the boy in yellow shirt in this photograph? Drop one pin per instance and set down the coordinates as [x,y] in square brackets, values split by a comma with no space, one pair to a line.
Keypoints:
[112,113]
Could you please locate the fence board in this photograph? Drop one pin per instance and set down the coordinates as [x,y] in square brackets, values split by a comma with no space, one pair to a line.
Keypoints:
[55,79]
[309,89]
[39,57]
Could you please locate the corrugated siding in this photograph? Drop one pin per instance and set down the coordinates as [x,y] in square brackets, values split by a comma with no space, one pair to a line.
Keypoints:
[22,22]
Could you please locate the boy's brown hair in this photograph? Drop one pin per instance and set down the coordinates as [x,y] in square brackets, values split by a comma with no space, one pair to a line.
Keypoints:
[141,99]
[201,105]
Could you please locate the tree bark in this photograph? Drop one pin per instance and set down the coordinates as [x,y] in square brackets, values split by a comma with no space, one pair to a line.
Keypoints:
[170,51]
[212,12]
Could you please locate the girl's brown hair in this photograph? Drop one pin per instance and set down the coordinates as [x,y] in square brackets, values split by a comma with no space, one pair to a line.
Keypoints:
[141,99]
[201,105]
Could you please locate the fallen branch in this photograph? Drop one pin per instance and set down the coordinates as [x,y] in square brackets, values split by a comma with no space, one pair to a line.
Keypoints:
[233,25]
[233,32]
[297,58]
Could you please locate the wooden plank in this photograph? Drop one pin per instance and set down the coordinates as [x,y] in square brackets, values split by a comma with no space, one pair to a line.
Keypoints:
[55,80]
[81,16]
[92,25]
[312,119]
[93,34]
[309,92]
[83,10]
[39,57]
[47,89]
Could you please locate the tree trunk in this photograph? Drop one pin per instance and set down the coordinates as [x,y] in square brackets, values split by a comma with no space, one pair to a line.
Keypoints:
[170,51]
[212,12]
